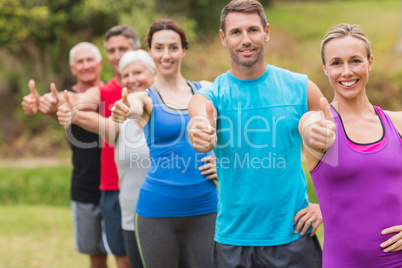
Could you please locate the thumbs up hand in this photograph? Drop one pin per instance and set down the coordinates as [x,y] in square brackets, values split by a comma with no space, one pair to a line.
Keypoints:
[209,107]
[202,130]
[318,131]
[121,108]
[49,101]
[30,102]
[66,111]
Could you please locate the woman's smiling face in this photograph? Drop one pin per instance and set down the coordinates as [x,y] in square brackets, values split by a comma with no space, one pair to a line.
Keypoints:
[136,77]
[347,66]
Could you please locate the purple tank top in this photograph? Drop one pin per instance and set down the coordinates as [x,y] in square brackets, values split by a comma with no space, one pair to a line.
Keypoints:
[360,194]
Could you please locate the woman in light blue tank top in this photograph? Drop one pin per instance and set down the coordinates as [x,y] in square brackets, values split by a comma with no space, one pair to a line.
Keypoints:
[178,197]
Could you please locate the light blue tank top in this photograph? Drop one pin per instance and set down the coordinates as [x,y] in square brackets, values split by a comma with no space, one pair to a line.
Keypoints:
[173,187]
[261,181]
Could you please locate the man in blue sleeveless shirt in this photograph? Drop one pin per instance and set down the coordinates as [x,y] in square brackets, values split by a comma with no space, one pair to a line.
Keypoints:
[250,116]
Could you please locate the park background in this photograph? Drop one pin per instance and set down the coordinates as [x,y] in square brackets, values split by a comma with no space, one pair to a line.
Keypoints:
[35,37]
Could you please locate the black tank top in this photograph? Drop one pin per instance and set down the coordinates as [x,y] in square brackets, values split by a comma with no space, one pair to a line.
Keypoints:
[86,152]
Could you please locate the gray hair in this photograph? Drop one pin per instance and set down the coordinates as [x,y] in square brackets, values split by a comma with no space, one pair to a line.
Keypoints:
[84,45]
[137,55]
[126,31]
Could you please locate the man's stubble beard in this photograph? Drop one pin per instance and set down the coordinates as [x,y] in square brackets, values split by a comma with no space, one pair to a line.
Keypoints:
[248,64]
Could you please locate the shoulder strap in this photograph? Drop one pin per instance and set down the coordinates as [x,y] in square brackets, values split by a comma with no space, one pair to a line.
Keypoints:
[152,89]
[197,84]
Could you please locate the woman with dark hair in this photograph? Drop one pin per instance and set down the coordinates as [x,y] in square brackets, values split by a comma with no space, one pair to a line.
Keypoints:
[178,198]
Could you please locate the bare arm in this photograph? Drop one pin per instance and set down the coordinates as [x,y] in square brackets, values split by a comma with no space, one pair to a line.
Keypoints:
[96,123]
[395,242]
[205,83]
[313,96]
[201,128]
[68,114]
[396,118]
[317,130]
[136,106]
[88,100]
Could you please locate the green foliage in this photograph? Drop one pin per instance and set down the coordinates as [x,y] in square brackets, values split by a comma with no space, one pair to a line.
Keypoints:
[297,29]
[295,35]
[205,13]
[42,185]
[41,32]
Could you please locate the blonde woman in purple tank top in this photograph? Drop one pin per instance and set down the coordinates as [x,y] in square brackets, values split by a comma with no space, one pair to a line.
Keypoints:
[353,151]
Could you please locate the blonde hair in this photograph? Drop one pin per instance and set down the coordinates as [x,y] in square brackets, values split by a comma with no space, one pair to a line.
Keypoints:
[342,30]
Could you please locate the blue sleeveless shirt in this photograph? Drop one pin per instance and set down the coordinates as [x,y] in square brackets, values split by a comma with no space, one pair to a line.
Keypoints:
[262,184]
[173,187]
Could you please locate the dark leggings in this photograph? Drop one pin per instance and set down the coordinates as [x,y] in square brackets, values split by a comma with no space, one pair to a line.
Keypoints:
[159,240]
[133,253]
[134,256]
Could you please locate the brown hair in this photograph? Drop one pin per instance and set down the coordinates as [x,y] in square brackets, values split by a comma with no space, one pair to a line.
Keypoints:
[342,30]
[246,6]
[166,24]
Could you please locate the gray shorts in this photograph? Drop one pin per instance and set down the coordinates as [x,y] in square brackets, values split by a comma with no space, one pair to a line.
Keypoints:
[87,227]
[304,252]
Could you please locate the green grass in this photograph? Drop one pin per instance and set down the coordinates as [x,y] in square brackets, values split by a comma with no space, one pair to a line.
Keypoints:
[43,185]
[36,222]
[39,236]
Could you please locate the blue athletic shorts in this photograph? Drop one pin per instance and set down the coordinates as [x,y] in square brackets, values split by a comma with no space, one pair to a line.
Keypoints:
[112,232]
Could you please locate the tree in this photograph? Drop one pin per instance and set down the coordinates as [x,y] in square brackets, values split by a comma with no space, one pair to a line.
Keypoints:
[205,13]
[39,33]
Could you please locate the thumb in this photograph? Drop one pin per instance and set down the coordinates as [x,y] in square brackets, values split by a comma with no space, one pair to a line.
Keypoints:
[210,113]
[53,89]
[67,99]
[124,95]
[324,107]
[32,89]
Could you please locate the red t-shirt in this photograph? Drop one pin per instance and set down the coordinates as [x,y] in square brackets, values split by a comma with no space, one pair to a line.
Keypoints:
[110,93]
